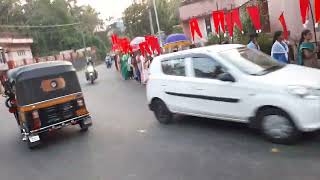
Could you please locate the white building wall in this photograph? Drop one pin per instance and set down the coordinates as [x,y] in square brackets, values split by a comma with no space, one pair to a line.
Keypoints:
[292,15]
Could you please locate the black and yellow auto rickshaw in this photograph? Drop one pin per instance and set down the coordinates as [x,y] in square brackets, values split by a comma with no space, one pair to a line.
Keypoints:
[45,97]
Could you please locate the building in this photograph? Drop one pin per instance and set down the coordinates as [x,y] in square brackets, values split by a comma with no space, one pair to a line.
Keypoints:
[202,10]
[292,16]
[15,48]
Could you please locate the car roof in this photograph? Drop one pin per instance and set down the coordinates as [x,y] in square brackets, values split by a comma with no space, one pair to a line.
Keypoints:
[39,69]
[207,49]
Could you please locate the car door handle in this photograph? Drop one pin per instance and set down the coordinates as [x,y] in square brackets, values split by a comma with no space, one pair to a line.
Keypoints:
[163,85]
[199,89]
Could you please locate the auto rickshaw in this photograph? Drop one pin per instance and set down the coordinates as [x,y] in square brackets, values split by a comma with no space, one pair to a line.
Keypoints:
[45,97]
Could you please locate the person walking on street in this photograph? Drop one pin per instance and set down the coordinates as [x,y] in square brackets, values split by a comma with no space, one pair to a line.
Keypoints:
[280,50]
[124,66]
[253,43]
[307,55]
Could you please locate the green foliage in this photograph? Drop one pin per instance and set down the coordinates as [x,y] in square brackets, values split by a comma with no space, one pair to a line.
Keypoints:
[136,20]
[213,40]
[136,17]
[49,41]
[177,29]
[265,42]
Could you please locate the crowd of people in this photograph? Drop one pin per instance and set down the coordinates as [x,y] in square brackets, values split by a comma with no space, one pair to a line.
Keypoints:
[304,53]
[133,66]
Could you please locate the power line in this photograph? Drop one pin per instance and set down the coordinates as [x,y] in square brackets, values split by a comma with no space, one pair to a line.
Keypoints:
[39,26]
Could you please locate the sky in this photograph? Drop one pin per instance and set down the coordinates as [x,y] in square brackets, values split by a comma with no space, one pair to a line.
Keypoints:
[107,8]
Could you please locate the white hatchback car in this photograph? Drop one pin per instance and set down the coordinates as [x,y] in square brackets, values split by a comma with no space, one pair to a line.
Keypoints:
[232,82]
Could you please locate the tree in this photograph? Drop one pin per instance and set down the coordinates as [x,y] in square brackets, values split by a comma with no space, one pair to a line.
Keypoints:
[48,41]
[168,14]
[136,17]
[136,20]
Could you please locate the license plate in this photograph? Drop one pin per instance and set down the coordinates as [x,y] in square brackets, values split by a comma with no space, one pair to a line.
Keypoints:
[34,138]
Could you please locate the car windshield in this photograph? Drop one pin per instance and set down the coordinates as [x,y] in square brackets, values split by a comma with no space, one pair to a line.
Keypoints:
[251,61]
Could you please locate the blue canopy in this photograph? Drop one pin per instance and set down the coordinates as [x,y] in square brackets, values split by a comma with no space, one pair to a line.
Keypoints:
[176,40]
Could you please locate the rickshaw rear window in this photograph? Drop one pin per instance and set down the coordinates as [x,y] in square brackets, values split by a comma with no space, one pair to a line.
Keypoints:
[36,90]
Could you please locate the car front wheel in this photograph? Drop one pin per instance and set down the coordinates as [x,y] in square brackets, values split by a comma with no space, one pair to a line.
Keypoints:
[162,113]
[278,127]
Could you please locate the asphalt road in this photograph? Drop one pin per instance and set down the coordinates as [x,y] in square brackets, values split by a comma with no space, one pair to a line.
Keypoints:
[127,143]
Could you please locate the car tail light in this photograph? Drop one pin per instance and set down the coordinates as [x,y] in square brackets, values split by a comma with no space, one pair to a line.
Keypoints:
[35,114]
[80,102]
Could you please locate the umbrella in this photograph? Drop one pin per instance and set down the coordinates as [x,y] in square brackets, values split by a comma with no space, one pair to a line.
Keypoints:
[174,40]
[135,43]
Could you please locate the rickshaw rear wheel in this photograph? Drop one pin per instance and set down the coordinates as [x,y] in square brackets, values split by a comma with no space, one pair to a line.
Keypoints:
[84,128]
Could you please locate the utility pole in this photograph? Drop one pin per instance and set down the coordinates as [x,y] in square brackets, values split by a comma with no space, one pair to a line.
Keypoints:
[157,19]
[150,17]
[84,44]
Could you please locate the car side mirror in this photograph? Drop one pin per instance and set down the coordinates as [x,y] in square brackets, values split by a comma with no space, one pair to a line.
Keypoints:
[226,77]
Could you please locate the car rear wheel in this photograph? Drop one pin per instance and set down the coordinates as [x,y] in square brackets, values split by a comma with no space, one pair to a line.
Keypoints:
[162,113]
[277,127]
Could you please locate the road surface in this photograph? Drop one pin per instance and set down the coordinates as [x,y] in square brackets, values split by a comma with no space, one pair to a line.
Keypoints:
[127,143]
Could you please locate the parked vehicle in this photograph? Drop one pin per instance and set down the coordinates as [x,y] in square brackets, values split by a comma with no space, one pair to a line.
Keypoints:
[234,83]
[44,97]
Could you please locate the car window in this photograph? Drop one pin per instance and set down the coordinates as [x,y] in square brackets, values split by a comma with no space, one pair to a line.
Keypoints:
[174,67]
[251,61]
[206,68]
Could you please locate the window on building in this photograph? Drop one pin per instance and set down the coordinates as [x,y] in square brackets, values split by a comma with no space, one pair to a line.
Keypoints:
[21,53]
[208,25]
[174,67]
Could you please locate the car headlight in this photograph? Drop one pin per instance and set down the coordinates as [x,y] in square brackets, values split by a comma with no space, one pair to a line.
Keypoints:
[304,92]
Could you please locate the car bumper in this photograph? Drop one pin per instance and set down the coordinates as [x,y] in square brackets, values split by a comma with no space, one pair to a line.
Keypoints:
[86,118]
[306,115]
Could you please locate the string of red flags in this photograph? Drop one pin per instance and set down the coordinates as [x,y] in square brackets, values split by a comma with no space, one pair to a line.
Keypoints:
[284,26]
[236,19]
[304,10]
[254,14]
[230,23]
[218,20]
[150,46]
[194,27]
[317,12]
[153,43]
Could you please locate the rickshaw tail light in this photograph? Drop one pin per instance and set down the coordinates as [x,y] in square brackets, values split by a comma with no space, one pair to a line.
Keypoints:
[35,114]
[80,102]
[36,124]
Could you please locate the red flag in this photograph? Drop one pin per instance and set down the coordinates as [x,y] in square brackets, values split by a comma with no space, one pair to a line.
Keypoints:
[236,18]
[114,39]
[124,45]
[284,26]
[218,20]
[194,27]
[317,11]
[230,23]
[254,14]
[153,42]
[304,10]
[145,48]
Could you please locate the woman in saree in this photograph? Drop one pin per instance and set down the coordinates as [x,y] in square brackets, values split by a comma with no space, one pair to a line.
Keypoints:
[307,55]
[280,50]
[124,66]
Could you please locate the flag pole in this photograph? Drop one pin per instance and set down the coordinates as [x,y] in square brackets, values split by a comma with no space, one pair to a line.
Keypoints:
[313,24]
